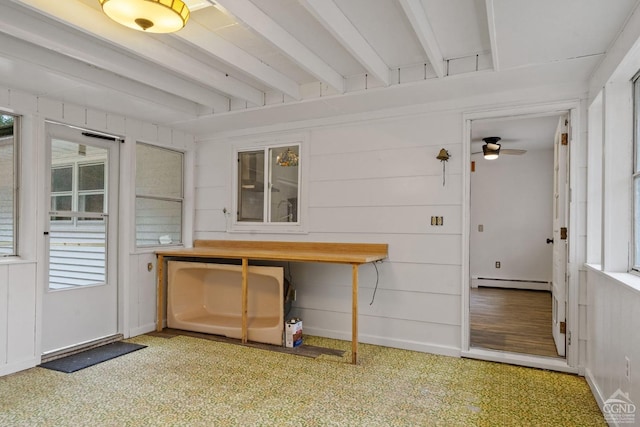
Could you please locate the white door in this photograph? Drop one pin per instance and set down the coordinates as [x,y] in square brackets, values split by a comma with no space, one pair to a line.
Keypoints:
[80,302]
[560,242]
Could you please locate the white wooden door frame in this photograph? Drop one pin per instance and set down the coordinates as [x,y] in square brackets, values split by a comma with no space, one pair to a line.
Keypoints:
[560,216]
[570,363]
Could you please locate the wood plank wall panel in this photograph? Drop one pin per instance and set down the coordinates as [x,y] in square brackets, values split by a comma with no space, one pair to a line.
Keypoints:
[390,191]
[389,304]
[212,180]
[146,292]
[21,310]
[429,129]
[392,219]
[4,312]
[613,320]
[392,276]
[372,181]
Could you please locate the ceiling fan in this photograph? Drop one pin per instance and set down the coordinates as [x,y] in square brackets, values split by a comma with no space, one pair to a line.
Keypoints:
[492,149]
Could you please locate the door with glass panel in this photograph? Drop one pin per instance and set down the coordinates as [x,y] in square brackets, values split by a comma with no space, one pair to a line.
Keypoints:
[80,303]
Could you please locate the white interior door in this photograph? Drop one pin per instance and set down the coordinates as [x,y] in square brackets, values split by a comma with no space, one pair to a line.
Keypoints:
[80,302]
[560,242]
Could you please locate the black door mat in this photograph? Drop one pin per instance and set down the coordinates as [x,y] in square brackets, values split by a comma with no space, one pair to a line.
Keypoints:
[91,357]
[303,350]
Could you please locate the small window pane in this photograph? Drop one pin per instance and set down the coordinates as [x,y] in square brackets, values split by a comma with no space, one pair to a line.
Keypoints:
[61,203]
[159,195]
[158,222]
[91,177]
[636,221]
[636,176]
[636,89]
[8,185]
[61,179]
[158,172]
[251,186]
[91,203]
[284,183]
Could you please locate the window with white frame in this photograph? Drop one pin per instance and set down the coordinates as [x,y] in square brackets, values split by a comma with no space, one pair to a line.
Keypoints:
[636,172]
[268,185]
[159,195]
[9,125]
[77,186]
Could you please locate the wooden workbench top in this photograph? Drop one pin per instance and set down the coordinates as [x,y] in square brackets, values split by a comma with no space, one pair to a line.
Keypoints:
[344,253]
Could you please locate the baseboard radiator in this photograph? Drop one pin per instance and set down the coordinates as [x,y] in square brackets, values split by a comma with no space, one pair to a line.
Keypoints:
[494,282]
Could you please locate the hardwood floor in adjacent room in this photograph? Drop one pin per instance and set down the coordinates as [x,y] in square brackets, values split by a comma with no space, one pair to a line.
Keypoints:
[513,320]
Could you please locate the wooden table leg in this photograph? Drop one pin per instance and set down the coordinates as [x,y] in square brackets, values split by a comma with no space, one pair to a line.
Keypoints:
[245,289]
[354,314]
[160,292]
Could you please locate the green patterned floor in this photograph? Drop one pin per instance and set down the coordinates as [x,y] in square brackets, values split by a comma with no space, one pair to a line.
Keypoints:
[186,381]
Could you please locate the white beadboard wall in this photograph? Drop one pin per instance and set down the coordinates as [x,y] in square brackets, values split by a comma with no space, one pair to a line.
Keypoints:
[613,335]
[21,278]
[142,294]
[17,317]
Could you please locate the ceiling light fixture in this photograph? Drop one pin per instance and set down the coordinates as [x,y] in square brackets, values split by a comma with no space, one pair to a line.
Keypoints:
[152,16]
[491,148]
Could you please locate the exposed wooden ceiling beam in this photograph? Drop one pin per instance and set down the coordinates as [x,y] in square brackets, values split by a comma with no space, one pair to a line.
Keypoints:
[13,23]
[491,23]
[199,36]
[93,22]
[27,53]
[332,18]
[261,23]
[421,26]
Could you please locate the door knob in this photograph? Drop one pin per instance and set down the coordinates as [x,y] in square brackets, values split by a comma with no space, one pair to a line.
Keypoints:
[549,241]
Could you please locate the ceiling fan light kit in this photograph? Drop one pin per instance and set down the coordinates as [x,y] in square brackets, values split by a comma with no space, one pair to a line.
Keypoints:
[152,16]
[491,148]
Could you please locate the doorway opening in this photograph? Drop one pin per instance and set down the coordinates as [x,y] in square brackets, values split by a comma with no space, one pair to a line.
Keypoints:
[516,296]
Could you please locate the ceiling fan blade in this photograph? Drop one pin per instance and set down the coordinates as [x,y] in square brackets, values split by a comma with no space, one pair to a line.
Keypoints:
[512,151]
[493,146]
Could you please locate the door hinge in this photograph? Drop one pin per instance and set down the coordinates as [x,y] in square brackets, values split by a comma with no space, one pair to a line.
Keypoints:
[565,139]
[569,338]
[563,233]
[563,327]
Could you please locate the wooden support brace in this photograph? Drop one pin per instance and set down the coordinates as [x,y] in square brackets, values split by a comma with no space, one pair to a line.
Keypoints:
[245,291]
[354,314]
[160,297]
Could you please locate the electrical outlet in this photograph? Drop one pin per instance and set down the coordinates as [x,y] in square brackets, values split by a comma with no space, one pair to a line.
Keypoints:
[627,368]
[497,264]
